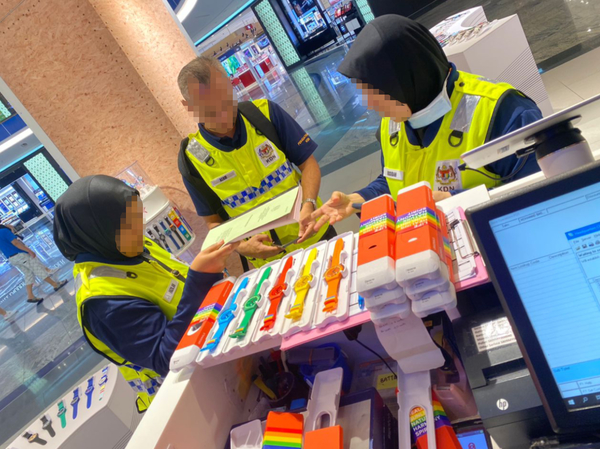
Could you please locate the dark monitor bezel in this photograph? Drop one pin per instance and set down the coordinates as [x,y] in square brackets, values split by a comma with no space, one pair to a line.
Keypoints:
[562,419]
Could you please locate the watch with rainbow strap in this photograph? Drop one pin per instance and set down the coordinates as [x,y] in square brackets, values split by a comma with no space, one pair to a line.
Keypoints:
[333,276]
[250,306]
[276,295]
[302,286]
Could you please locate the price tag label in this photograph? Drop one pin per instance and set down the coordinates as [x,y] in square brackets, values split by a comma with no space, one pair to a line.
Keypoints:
[387,381]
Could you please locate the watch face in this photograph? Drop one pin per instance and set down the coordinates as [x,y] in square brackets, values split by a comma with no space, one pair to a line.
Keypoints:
[75,400]
[251,303]
[303,282]
[89,390]
[104,379]
[33,437]
[334,272]
[277,292]
[61,412]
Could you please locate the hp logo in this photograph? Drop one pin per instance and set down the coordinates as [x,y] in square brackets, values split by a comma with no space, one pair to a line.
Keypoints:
[502,404]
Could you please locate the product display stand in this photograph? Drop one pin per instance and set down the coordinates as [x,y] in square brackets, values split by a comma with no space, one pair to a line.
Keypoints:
[272,317]
[335,286]
[108,422]
[303,301]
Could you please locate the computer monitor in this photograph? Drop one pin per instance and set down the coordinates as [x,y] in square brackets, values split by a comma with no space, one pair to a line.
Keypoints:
[542,249]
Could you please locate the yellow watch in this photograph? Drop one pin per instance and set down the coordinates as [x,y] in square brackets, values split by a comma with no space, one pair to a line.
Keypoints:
[333,276]
[301,287]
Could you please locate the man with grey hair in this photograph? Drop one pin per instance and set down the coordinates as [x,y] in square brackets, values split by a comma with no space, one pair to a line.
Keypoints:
[242,156]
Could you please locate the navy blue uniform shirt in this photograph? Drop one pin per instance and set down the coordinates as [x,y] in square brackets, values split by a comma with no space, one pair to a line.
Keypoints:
[296,148]
[135,328]
[514,112]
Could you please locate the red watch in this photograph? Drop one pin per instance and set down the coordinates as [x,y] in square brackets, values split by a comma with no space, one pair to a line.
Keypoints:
[276,295]
[333,276]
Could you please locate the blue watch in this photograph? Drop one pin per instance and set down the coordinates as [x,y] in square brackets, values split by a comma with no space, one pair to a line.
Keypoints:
[75,401]
[89,391]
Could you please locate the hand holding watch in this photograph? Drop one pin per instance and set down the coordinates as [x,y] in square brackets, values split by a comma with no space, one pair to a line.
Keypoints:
[333,276]
[276,295]
[250,306]
[302,286]
[225,318]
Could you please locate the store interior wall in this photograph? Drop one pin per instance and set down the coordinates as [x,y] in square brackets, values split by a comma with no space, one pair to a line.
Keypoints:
[100,80]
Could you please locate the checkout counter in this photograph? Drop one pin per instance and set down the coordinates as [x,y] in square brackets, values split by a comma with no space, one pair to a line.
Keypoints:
[210,392]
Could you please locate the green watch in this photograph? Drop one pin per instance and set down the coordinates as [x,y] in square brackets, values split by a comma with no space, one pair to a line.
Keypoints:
[62,414]
[250,307]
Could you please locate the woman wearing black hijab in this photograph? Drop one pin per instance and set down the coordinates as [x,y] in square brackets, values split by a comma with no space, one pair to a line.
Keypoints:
[431,114]
[134,302]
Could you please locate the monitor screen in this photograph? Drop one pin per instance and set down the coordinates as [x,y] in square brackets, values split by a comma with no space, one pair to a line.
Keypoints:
[473,439]
[552,252]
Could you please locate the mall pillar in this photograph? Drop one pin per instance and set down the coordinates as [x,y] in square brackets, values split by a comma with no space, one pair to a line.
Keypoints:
[102,83]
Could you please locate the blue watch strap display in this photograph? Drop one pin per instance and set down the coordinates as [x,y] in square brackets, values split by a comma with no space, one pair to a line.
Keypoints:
[89,392]
[75,401]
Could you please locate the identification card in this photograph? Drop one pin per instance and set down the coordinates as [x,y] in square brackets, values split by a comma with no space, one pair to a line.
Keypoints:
[168,296]
[398,175]
[266,153]
[221,179]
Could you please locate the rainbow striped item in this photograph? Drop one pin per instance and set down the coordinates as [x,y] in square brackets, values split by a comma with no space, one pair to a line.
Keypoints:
[417,218]
[283,431]
[376,224]
[210,313]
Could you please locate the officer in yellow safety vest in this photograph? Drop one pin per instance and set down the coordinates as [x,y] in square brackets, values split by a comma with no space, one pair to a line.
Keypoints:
[242,156]
[431,114]
[134,301]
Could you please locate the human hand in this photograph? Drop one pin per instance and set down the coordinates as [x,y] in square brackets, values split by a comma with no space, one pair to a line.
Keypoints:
[213,258]
[256,248]
[337,208]
[439,196]
[307,223]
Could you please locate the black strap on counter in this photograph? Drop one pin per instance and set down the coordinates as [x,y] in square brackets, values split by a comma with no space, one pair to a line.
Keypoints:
[261,123]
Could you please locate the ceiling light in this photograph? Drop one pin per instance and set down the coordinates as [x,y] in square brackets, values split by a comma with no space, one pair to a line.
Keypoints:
[15,139]
[186,9]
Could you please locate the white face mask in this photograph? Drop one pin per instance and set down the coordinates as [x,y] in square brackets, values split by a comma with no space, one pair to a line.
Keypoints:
[439,107]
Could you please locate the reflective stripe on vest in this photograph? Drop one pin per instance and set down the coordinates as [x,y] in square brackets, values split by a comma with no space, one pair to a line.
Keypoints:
[249,176]
[148,280]
[464,128]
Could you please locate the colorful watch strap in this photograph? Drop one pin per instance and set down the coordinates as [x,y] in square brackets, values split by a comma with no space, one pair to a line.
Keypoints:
[225,319]
[89,392]
[62,414]
[311,258]
[337,252]
[75,402]
[167,232]
[276,295]
[180,225]
[174,230]
[297,308]
[250,306]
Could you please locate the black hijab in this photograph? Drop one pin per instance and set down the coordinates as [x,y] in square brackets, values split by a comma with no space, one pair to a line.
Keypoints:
[401,58]
[88,215]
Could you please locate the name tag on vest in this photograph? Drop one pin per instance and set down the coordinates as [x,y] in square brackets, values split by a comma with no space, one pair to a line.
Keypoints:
[393,174]
[221,179]
[168,296]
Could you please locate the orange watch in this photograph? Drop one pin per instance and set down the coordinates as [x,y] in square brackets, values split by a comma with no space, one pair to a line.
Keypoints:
[333,276]
[276,295]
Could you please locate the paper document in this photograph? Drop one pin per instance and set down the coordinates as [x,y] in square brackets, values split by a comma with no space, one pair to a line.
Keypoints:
[279,211]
